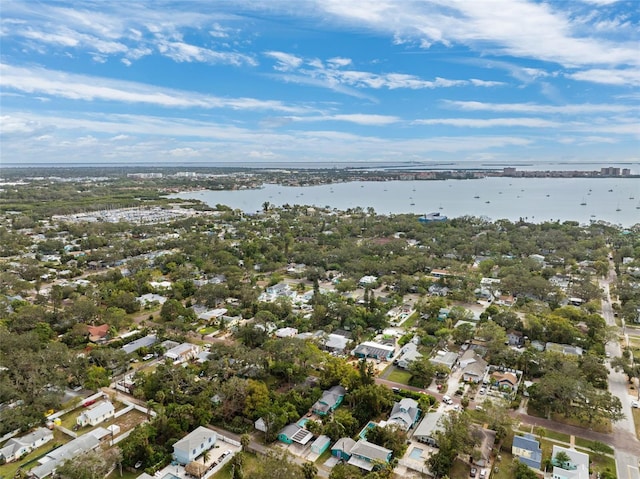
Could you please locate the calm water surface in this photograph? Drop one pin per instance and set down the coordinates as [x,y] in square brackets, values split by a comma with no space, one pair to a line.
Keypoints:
[615,200]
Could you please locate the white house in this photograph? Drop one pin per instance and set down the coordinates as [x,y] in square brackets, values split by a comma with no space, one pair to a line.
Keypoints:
[182,352]
[193,445]
[96,414]
[576,468]
[17,447]
[49,462]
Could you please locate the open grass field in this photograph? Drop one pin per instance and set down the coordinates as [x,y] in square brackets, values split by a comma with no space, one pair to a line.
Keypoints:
[250,463]
[399,376]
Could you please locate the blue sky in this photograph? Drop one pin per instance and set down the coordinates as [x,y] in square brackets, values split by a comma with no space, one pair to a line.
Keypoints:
[479,81]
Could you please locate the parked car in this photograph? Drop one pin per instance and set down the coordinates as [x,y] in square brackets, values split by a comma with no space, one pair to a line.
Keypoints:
[635,404]
[482,390]
[483,474]
[447,400]
[473,472]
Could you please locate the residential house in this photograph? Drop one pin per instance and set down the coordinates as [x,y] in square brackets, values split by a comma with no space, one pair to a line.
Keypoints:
[444,358]
[342,448]
[367,281]
[320,445]
[372,350]
[473,366]
[194,444]
[576,468]
[294,433]
[515,338]
[335,343]
[428,427]
[438,290]
[408,353]
[144,342]
[50,461]
[365,455]
[98,334]
[506,300]
[527,449]
[405,414]
[286,332]
[505,380]
[17,447]
[96,414]
[182,352]
[330,400]
[150,298]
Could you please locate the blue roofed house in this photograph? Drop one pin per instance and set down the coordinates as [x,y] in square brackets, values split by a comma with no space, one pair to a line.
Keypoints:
[330,400]
[405,414]
[193,445]
[527,449]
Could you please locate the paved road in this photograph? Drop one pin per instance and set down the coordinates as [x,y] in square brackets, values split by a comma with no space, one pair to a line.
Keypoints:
[627,446]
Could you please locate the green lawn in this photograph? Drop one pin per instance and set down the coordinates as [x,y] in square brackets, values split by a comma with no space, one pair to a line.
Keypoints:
[399,376]
[125,474]
[250,461]
[504,467]
[411,321]
[557,436]
[586,444]
[324,456]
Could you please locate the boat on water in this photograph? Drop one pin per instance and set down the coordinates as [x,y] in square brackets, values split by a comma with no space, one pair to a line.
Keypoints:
[476,197]
[487,201]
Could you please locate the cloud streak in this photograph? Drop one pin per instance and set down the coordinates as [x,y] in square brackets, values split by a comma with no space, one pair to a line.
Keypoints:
[53,83]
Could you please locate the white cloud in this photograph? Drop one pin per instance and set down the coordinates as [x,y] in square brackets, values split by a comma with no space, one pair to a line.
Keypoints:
[187,152]
[88,88]
[491,122]
[626,77]
[518,28]
[332,75]
[285,61]
[358,118]
[184,52]
[338,62]
[575,109]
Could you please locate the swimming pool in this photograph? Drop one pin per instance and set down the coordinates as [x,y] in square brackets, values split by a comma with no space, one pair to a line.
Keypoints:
[416,453]
[303,421]
[168,475]
[363,433]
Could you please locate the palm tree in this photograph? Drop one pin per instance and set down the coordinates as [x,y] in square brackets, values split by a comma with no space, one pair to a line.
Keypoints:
[245,440]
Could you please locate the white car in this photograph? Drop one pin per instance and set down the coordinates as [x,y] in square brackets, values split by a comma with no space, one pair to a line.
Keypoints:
[635,404]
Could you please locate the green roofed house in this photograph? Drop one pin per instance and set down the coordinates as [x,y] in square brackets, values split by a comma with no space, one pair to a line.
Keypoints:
[330,400]
[294,433]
